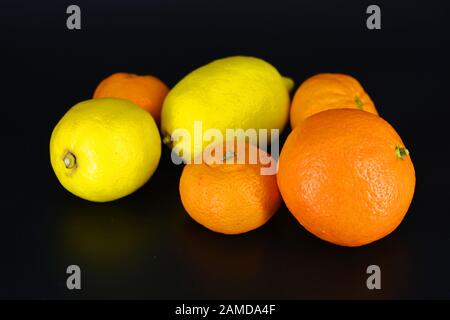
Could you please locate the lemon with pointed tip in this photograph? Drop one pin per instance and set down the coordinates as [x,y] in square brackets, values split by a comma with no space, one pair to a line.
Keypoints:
[104,149]
[237,92]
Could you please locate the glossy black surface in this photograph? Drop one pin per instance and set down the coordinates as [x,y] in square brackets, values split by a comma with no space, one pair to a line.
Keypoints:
[145,245]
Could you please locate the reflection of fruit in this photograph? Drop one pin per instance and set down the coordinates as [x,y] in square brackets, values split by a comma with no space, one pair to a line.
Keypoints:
[239,258]
[148,92]
[106,235]
[104,149]
[235,92]
[346,176]
[328,91]
[230,198]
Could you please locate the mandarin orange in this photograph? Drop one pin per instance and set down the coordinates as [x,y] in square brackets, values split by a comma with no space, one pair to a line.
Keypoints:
[148,92]
[230,198]
[328,91]
[346,176]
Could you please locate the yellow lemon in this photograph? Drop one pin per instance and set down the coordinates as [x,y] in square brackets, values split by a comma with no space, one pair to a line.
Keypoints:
[232,93]
[104,149]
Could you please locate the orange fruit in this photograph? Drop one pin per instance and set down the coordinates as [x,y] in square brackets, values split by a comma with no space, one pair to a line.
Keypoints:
[230,198]
[346,176]
[148,92]
[328,91]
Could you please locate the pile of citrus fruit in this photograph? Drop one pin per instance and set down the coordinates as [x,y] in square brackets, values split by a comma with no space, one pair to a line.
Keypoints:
[343,172]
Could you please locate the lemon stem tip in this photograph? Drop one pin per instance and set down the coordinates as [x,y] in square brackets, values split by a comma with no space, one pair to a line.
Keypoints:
[289,83]
[69,160]
[167,139]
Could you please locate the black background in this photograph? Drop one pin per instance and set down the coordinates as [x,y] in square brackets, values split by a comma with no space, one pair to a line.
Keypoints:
[145,245]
